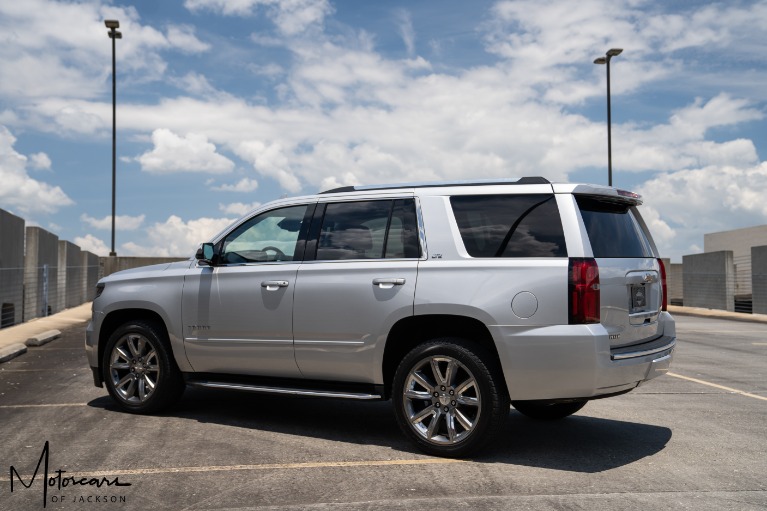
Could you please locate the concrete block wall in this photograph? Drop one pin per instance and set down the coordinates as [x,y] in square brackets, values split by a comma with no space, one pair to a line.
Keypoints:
[70,289]
[42,275]
[11,269]
[90,265]
[675,283]
[759,279]
[709,280]
[740,242]
[110,265]
[41,256]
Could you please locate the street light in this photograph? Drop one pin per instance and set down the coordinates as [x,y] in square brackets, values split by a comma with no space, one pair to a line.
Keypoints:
[113,25]
[614,52]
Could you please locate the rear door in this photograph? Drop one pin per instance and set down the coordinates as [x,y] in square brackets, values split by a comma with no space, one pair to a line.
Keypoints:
[629,273]
[358,279]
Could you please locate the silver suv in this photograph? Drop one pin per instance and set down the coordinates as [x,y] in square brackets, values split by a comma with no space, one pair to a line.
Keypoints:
[454,300]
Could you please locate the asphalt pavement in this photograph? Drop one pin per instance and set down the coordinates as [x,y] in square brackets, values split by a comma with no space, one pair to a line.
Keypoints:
[693,439]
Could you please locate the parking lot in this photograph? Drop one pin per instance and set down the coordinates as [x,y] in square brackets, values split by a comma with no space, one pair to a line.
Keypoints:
[693,439]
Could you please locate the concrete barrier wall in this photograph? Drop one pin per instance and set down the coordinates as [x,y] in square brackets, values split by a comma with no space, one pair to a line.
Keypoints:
[110,265]
[70,293]
[41,260]
[90,264]
[675,283]
[709,280]
[11,269]
[42,275]
[759,279]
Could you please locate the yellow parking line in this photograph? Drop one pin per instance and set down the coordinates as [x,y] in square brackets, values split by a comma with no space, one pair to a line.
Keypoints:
[759,343]
[268,466]
[729,389]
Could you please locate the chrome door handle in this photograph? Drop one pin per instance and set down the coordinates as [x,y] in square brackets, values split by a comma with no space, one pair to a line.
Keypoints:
[388,283]
[274,285]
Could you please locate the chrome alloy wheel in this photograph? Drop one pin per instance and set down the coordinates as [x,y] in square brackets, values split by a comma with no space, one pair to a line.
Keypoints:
[134,368]
[441,400]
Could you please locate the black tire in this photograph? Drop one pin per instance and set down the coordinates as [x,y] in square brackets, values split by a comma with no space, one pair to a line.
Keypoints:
[471,404]
[137,356]
[546,410]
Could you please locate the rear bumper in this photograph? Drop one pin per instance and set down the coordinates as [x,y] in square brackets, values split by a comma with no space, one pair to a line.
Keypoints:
[661,346]
[576,361]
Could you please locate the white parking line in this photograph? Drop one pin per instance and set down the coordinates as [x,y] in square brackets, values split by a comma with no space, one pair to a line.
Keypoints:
[729,389]
[268,466]
[53,405]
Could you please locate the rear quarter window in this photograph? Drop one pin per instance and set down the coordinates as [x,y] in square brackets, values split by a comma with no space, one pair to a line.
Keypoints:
[510,225]
[613,229]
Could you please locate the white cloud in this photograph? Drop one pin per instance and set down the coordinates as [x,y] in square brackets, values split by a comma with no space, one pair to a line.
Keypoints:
[196,84]
[177,238]
[270,160]
[406,30]
[683,206]
[183,38]
[680,143]
[122,222]
[40,161]
[238,208]
[18,190]
[79,54]
[91,243]
[290,16]
[243,185]
[191,153]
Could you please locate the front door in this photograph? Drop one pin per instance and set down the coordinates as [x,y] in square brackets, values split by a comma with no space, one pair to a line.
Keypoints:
[238,313]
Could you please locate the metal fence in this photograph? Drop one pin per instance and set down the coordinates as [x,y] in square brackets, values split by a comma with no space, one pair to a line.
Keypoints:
[27,293]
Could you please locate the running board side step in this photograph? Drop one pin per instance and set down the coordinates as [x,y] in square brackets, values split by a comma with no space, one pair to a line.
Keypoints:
[263,389]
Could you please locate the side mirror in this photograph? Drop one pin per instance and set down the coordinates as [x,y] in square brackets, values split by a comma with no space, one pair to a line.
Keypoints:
[205,254]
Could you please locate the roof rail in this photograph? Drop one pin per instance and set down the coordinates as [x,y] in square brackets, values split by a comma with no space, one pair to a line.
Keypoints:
[530,180]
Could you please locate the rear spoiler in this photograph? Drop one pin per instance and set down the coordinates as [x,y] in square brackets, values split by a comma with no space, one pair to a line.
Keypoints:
[598,191]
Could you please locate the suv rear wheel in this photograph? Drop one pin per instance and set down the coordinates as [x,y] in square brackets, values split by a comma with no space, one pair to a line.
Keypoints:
[139,370]
[449,397]
[543,410]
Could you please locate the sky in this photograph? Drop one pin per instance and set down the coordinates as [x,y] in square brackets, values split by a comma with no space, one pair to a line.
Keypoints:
[223,105]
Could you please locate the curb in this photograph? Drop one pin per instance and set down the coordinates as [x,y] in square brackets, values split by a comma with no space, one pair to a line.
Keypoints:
[43,338]
[12,351]
[717,314]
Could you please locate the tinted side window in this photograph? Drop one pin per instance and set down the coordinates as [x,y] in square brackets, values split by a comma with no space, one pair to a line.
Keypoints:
[613,230]
[510,225]
[402,241]
[369,230]
[268,237]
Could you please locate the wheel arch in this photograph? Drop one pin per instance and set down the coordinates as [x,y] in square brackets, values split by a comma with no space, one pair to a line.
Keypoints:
[413,330]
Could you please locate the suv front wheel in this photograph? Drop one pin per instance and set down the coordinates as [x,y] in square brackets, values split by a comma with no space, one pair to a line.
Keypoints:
[139,370]
[449,397]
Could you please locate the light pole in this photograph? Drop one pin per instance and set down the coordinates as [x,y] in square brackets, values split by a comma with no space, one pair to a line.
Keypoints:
[113,25]
[614,52]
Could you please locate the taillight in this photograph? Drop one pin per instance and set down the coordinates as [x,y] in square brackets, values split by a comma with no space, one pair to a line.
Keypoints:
[664,302]
[583,291]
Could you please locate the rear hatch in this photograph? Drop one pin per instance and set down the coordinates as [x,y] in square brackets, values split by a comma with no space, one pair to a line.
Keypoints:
[629,273]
